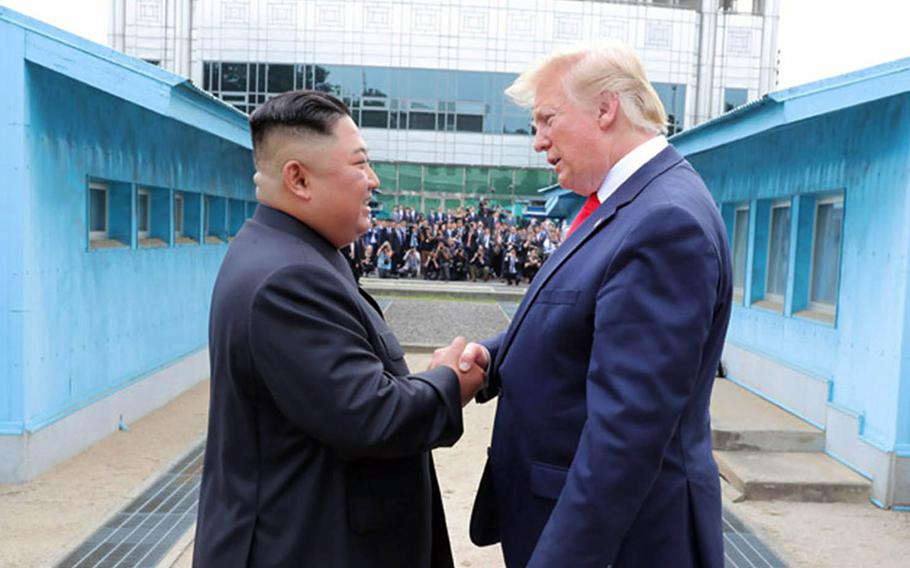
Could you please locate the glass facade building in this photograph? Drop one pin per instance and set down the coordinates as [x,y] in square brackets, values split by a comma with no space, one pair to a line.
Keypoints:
[425,81]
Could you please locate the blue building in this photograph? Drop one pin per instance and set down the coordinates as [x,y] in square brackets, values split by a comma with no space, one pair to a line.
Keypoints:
[813,185]
[123,184]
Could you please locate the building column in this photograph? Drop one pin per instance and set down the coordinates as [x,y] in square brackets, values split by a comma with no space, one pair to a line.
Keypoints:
[767,81]
[117,36]
[707,43]
[182,37]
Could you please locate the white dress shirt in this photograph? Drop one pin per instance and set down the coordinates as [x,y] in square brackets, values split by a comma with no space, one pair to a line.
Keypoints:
[628,165]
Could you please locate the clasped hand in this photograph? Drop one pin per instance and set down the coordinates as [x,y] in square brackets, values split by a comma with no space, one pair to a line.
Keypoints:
[468,360]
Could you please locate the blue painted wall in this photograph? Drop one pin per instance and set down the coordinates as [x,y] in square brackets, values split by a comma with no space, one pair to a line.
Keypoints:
[80,323]
[863,151]
[14,173]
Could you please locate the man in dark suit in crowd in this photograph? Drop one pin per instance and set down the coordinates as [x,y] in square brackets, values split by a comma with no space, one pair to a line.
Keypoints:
[319,435]
[601,450]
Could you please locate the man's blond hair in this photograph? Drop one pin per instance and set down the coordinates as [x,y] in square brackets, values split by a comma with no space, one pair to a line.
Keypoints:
[591,69]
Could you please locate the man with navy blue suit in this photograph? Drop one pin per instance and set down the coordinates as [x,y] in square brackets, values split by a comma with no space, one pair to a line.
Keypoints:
[601,448]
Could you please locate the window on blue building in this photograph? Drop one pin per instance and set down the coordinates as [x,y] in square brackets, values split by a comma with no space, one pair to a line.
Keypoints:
[98,211]
[187,218]
[143,213]
[153,216]
[826,248]
[740,249]
[178,215]
[778,253]
[236,216]
[214,211]
[110,214]
[818,250]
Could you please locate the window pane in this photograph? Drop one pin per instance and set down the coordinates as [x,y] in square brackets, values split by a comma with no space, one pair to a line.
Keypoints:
[470,123]
[281,78]
[826,252]
[178,215]
[734,98]
[425,83]
[375,81]
[206,208]
[143,212]
[422,121]
[215,76]
[98,221]
[206,76]
[779,250]
[472,85]
[233,76]
[374,118]
[516,124]
[303,76]
[257,77]
[343,80]
[399,120]
[673,96]
[740,239]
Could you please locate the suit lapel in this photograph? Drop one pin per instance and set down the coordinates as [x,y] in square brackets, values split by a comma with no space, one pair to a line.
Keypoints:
[626,193]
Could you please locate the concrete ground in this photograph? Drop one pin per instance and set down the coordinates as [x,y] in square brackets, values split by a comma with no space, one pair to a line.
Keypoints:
[829,535]
[42,520]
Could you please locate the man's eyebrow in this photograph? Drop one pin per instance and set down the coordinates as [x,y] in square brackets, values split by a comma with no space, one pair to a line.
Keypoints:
[545,110]
[361,149]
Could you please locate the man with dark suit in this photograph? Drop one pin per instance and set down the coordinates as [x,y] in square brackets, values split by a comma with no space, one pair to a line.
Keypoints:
[601,449]
[319,435]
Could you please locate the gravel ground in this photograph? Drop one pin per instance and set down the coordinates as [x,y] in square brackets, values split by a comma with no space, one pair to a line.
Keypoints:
[436,322]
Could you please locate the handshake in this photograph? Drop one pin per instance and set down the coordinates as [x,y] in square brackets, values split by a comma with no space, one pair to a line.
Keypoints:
[468,360]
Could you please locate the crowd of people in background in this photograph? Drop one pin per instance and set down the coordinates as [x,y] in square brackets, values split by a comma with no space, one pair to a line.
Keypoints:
[464,244]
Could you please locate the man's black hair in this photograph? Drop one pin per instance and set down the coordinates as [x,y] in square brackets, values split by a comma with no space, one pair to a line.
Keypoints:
[308,112]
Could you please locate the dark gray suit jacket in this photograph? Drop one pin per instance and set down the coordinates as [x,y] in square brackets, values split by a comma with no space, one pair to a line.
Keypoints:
[319,439]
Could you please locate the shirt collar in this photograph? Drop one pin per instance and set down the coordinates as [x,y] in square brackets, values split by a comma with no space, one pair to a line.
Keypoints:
[629,164]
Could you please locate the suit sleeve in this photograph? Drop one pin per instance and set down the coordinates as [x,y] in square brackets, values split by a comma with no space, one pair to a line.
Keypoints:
[313,356]
[492,387]
[653,314]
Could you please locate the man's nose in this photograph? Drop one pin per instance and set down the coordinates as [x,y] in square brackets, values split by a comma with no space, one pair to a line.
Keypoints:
[541,142]
[373,179]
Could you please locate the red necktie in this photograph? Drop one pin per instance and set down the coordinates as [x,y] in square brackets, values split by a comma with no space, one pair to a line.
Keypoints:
[590,205]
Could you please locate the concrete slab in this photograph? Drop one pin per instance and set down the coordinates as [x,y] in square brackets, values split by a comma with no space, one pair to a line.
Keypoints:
[741,420]
[494,291]
[792,476]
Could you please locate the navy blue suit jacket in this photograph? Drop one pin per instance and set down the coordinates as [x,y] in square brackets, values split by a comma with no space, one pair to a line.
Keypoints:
[601,450]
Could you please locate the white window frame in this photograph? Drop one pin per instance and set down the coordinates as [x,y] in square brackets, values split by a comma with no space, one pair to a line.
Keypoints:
[780,204]
[178,215]
[140,193]
[820,307]
[105,234]
[739,292]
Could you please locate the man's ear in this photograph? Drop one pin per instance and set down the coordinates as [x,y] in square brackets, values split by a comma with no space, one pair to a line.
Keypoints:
[608,109]
[296,179]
